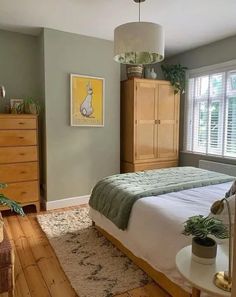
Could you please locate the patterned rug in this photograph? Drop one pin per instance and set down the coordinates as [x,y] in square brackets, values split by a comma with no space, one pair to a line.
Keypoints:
[93,265]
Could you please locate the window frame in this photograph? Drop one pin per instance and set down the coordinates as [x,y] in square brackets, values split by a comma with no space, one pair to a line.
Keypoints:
[193,73]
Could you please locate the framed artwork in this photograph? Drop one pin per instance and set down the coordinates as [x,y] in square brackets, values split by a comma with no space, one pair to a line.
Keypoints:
[87,100]
[16,105]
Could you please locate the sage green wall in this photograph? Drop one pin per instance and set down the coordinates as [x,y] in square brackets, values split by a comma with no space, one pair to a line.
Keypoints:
[18,66]
[77,157]
[214,53]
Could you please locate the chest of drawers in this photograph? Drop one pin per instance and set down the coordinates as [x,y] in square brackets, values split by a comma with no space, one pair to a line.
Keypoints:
[19,162]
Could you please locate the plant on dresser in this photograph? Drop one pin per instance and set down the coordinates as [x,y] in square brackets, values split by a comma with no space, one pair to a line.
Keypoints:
[29,106]
[19,163]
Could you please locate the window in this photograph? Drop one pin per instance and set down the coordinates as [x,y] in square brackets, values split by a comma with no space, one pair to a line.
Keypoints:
[211,112]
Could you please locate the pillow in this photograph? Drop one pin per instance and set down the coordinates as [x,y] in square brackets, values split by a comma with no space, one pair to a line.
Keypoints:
[232,190]
[230,196]
[224,215]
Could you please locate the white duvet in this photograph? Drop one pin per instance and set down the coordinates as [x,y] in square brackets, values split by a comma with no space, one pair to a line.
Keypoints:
[155,227]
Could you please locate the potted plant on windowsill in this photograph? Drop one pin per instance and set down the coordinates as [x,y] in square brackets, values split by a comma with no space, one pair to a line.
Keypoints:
[13,205]
[204,248]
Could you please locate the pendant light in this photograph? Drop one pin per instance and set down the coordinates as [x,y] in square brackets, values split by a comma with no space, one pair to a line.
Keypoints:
[139,42]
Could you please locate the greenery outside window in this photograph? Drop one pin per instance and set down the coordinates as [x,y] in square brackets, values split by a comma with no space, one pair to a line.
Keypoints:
[210,117]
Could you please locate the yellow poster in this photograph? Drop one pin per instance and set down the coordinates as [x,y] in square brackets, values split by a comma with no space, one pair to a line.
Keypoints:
[87,100]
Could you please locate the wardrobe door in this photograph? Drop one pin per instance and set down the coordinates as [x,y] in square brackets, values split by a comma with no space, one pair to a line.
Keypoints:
[145,115]
[168,122]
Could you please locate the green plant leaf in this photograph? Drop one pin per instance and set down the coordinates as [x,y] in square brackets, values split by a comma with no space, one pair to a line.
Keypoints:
[176,75]
[13,205]
[202,227]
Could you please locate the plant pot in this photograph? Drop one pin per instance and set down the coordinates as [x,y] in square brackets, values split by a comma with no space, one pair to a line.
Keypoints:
[204,251]
[134,71]
[31,108]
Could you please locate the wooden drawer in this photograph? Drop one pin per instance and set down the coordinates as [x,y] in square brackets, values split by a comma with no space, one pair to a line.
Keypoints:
[158,165]
[18,172]
[18,137]
[18,154]
[131,167]
[22,192]
[17,123]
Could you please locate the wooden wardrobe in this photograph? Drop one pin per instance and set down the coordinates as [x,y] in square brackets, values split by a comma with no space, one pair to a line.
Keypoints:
[149,125]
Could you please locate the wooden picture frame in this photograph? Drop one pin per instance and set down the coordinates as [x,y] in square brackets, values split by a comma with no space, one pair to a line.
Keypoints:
[15,104]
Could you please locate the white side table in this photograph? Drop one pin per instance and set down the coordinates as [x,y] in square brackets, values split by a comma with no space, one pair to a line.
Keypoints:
[201,276]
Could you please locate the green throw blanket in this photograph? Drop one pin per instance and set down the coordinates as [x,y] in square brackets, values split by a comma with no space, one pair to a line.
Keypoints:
[115,195]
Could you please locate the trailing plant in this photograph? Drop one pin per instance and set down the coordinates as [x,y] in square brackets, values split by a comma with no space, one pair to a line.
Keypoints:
[201,227]
[13,205]
[176,75]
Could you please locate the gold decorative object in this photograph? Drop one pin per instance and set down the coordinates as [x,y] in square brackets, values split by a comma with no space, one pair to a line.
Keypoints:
[223,279]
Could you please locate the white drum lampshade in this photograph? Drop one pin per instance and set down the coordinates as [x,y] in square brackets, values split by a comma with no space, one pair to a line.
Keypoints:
[139,43]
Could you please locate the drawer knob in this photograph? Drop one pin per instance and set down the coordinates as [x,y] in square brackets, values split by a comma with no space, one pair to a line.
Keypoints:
[22,154]
[23,193]
[21,123]
[23,172]
[21,137]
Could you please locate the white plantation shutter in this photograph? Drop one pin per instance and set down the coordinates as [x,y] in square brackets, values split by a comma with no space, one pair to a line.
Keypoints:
[210,117]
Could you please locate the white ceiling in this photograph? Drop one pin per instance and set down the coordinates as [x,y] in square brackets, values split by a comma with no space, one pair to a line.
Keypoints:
[187,23]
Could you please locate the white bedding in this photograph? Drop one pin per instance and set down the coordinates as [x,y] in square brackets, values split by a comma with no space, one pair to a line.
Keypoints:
[156,224]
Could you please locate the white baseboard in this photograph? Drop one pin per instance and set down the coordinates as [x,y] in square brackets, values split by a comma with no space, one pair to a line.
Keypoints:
[67,202]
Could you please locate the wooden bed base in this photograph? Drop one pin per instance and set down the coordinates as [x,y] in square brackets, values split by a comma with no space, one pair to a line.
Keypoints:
[170,287]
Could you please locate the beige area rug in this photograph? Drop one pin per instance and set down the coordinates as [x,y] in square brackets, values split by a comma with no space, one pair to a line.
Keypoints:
[93,265]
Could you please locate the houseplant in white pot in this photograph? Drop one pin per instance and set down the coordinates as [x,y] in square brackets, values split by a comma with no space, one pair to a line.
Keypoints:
[204,248]
[13,205]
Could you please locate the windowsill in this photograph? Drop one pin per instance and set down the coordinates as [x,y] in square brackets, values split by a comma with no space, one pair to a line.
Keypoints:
[209,155]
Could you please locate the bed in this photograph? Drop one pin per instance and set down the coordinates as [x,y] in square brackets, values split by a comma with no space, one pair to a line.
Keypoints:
[153,234]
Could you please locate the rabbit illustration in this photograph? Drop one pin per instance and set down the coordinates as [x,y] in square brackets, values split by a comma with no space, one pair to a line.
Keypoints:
[86,108]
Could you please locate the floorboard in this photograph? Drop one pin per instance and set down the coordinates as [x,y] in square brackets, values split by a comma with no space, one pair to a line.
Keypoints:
[37,270]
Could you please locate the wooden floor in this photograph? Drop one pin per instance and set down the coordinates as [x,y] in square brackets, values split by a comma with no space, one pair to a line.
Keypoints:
[37,270]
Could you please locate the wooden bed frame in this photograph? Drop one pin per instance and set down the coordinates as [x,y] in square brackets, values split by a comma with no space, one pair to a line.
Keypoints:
[170,287]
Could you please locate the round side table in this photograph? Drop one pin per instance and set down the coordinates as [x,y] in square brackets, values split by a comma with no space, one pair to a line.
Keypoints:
[201,276]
